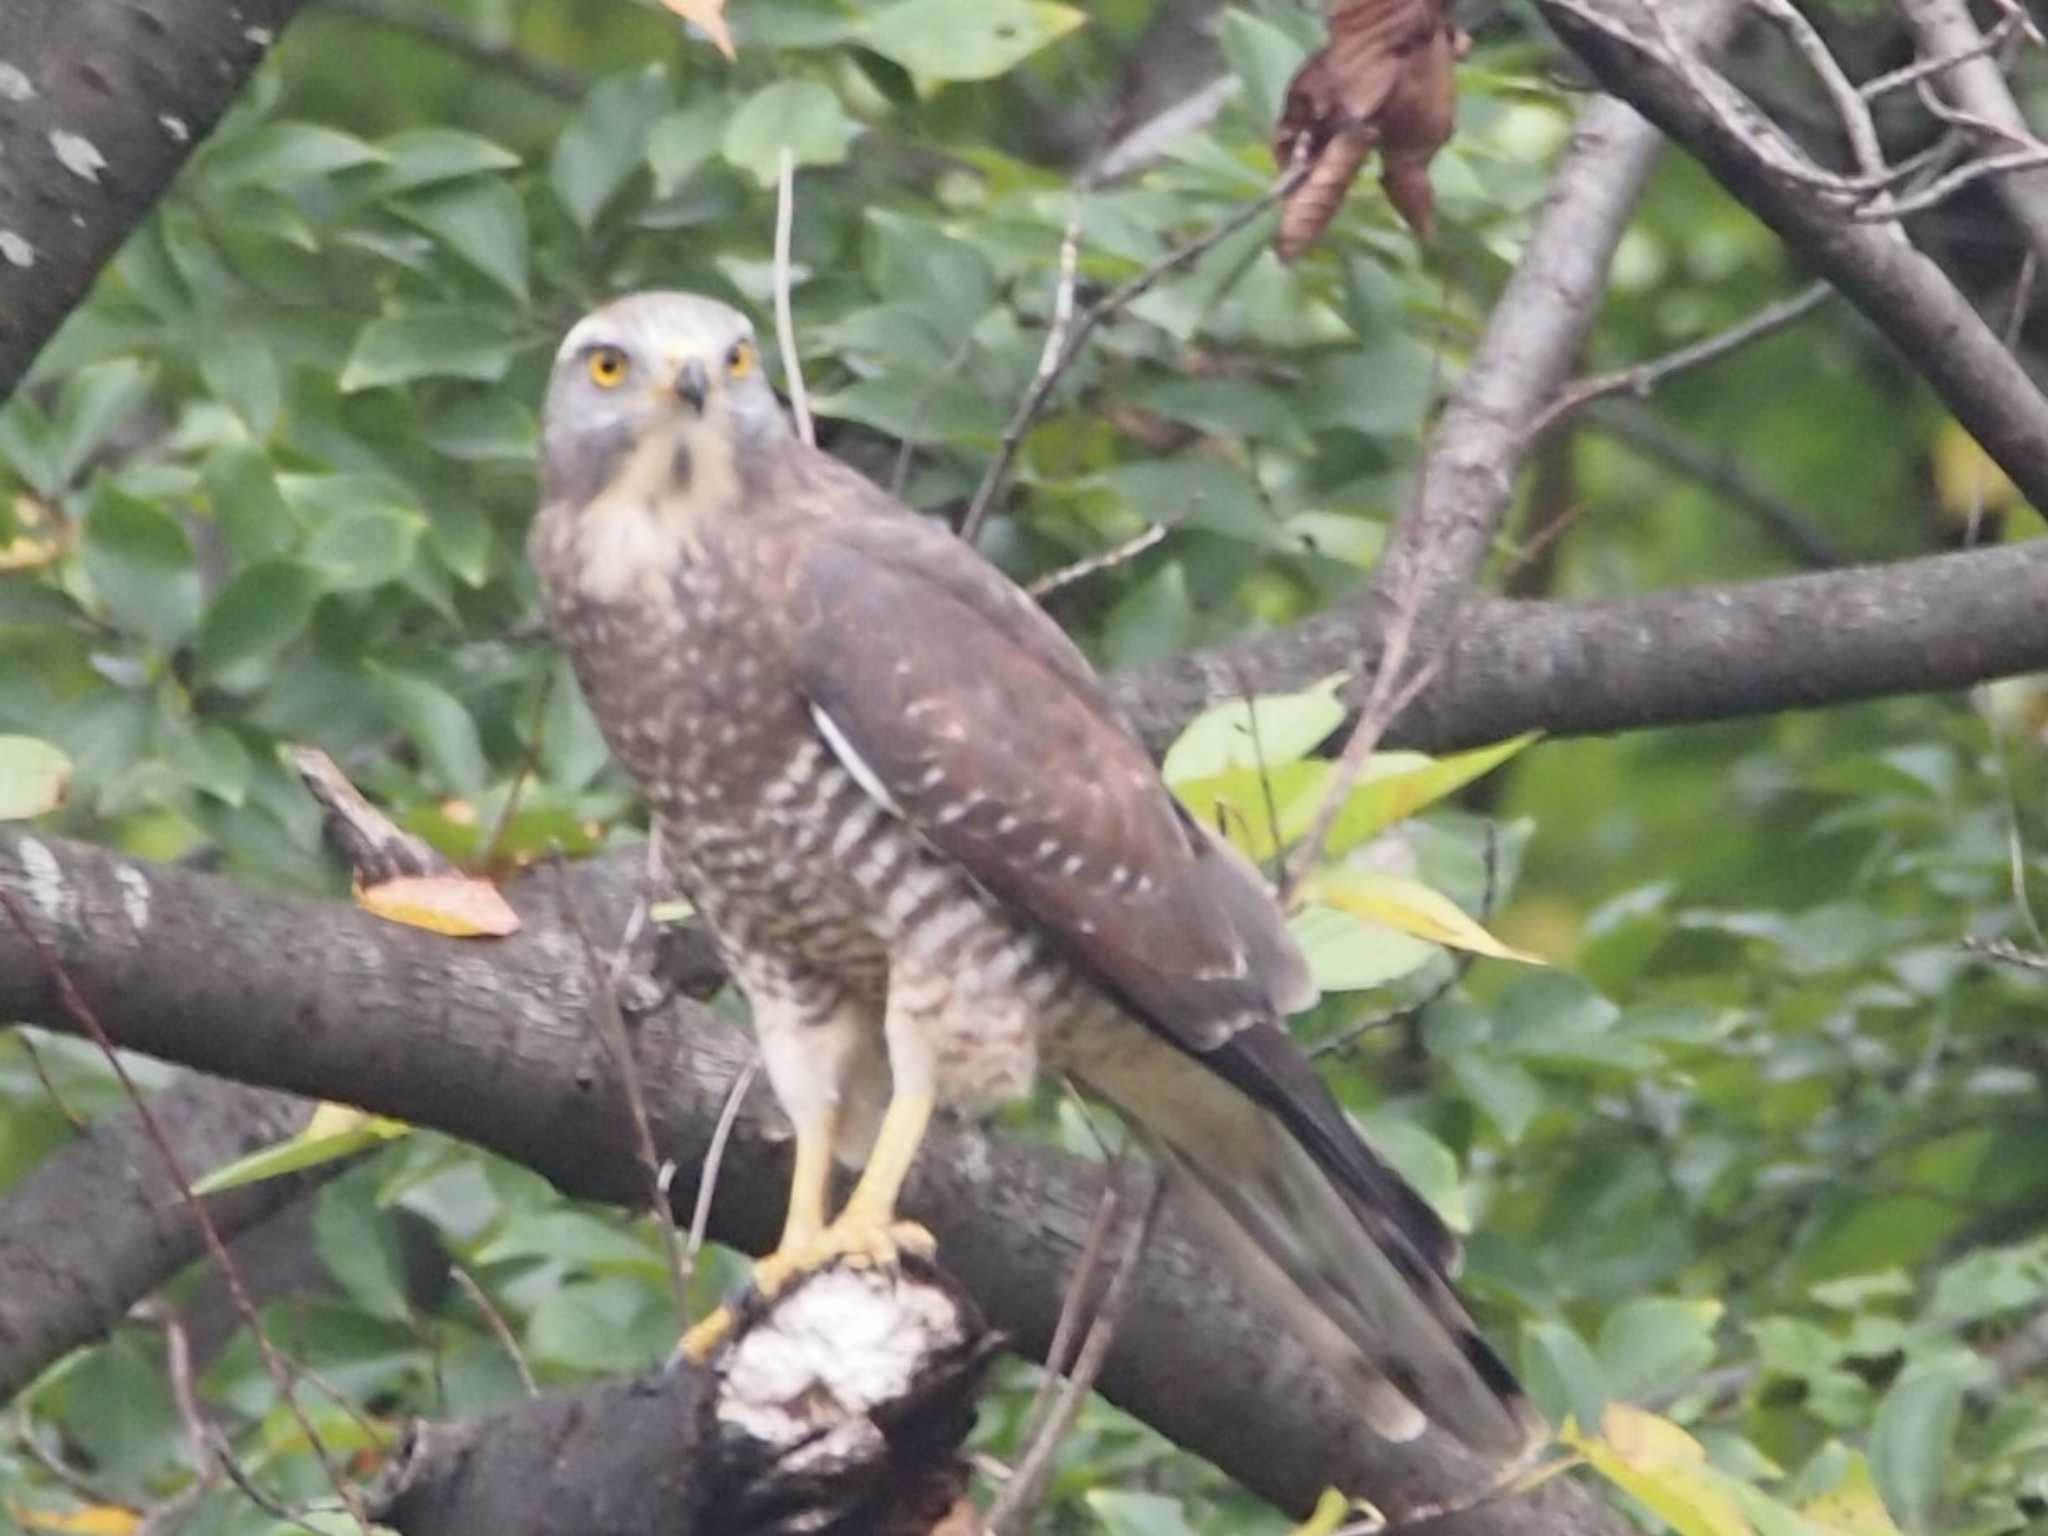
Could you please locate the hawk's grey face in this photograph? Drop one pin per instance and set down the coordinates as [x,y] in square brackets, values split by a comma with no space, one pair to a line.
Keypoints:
[674,372]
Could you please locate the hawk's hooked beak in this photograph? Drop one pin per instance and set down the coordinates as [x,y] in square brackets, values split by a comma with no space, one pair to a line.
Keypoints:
[693,383]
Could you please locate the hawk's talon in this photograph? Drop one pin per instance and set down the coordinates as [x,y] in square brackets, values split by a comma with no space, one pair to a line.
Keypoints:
[707,1336]
[858,1244]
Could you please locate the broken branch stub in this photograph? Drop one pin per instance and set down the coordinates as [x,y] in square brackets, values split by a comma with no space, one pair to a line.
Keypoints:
[840,1409]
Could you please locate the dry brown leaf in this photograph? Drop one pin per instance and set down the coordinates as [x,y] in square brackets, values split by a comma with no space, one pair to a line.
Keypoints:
[1385,83]
[457,905]
[708,16]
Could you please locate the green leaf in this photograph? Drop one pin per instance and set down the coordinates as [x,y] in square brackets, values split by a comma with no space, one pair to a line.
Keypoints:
[208,757]
[1395,785]
[334,1131]
[1260,812]
[355,1242]
[1278,728]
[281,155]
[359,550]
[1346,955]
[1123,1512]
[141,565]
[1508,1093]
[584,1241]
[616,1323]
[606,141]
[451,341]
[1561,1372]
[34,777]
[440,726]
[948,282]
[801,114]
[423,156]
[1650,1345]
[1915,1425]
[94,402]
[482,222]
[1423,1161]
[945,40]
[238,367]
[256,615]
[679,144]
[1262,56]
[1203,492]
[572,749]
[251,511]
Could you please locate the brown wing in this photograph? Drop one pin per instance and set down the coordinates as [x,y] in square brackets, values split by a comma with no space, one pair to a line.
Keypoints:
[966,708]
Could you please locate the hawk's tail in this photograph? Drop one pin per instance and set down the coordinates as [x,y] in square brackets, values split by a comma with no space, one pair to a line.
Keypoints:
[1348,1256]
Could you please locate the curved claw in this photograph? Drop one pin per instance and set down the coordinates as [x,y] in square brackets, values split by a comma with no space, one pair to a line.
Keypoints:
[860,1244]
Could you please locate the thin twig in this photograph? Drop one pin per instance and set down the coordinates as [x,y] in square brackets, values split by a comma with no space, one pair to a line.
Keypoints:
[522,775]
[610,1027]
[76,1121]
[1641,378]
[1073,1305]
[1924,69]
[2005,952]
[224,1458]
[714,1158]
[495,1321]
[1047,378]
[785,320]
[1021,1494]
[1945,187]
[80,1012]
[1109,559]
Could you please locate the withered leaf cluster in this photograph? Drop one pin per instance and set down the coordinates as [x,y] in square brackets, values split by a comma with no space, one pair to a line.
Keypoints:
[1384,82]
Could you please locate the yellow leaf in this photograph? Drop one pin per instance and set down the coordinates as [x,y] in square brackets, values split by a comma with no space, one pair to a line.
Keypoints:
[1395,785]
[333,1131]
[31,547]
[708,16]
[1410,906]
[92,1520]
[1658,1463]
[1967,481]
[457,905]
[1243,803]
[1853,1506]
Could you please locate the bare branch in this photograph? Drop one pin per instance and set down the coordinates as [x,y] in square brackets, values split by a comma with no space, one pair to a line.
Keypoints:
[1972,78]
[785,321]
[1641,378]
[1026,1487]
[1109,559]
[609,1025]
[1902,293]
[500,1329]
[1127,293]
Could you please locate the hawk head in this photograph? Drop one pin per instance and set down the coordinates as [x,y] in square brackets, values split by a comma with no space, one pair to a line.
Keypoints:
[656,405]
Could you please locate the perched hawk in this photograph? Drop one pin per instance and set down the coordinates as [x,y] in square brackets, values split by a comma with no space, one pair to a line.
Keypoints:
[934,857]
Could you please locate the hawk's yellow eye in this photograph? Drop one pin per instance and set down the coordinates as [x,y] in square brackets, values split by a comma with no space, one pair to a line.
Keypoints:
[739,362]
[607,367]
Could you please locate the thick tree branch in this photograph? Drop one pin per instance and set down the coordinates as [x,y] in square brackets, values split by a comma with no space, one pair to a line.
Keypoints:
[99,1223]
[1671,658]
[488,1042]
[100,103]
[1900,291]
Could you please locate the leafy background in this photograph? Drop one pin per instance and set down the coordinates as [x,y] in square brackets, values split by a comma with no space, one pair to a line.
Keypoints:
[1763,1150]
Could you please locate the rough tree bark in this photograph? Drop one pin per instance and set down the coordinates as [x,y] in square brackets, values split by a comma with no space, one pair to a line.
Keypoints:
[100,103]
[99,1223]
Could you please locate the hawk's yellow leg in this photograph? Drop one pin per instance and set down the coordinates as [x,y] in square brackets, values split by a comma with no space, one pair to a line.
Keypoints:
[866,1231]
